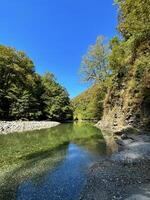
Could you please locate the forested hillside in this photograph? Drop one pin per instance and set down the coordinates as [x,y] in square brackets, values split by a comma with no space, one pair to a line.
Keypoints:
[122,66]
[89,104]
[127,102]
[24,94]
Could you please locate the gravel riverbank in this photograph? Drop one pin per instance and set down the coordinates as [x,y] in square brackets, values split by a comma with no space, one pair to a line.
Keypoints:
[125,175]
[20,126]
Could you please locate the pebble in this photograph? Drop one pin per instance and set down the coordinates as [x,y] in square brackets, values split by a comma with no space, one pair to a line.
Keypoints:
[20,126]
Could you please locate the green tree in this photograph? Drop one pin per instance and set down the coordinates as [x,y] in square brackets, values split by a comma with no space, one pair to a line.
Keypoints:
[134,18]
[89,104]
[94,66]
[26,95]
[134,25]
[16,72]
[56,99]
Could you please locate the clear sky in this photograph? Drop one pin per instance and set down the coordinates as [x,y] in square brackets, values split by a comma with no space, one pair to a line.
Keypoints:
[55,34]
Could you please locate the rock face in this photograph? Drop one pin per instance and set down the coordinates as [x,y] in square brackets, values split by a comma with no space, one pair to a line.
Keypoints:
[20,126]
[128,103]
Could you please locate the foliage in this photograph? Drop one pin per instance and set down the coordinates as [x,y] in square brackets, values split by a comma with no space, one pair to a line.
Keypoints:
[94,64]
[129,61]
[134,18]
[56,100]
[26,95]
[89,104]
[123,68]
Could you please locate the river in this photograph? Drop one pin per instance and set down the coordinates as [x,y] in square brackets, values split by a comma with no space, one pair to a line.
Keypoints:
[50,164]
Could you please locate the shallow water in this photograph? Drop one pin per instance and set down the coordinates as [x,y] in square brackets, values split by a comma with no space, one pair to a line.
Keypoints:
[49,164]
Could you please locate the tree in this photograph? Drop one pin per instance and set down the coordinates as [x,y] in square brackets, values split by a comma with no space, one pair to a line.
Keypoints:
[56,99]
[134,25]
[134,17]
[16,72]
[26,95]
[89,104]
[95,64]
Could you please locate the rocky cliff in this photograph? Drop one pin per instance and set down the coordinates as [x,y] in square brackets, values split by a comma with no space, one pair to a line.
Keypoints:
[127,104]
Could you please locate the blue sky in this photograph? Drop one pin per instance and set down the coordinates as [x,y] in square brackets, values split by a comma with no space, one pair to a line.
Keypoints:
[55,34]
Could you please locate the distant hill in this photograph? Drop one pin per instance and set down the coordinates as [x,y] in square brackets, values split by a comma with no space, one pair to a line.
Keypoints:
[89,104]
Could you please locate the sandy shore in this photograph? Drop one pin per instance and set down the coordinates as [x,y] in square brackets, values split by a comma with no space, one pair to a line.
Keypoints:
[20,126]
[124,175]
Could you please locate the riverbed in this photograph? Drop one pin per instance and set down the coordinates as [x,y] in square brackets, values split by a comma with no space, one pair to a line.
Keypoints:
[7,127]
[50,164]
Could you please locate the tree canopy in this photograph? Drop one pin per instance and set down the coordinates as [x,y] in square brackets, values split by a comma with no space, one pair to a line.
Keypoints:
[123,65]
[88,105]
[26,95]
[94,66]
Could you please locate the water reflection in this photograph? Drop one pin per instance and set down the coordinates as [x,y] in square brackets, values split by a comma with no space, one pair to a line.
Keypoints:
[111,145]
[52,173]
[64,182]
[34,170]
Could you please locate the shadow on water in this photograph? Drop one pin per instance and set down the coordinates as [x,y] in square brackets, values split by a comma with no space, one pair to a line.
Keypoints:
[44,153]
[34,169]
[52,164]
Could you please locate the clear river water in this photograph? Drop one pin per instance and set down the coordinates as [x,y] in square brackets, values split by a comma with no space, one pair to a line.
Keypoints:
[49,164]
